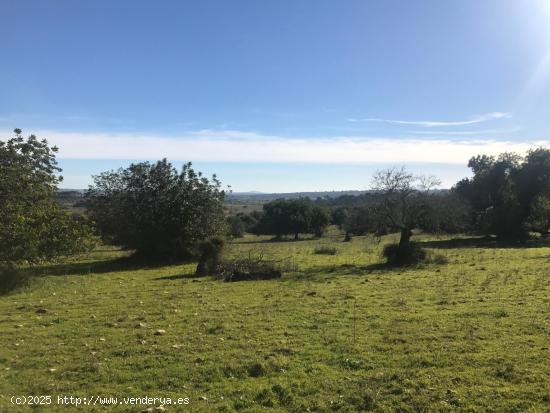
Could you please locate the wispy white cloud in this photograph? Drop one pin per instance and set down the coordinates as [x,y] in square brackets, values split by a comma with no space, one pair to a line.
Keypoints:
[241,146]
[467,133]
[432,123]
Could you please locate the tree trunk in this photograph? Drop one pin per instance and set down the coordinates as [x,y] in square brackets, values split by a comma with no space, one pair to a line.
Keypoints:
[404,244]
[295,236]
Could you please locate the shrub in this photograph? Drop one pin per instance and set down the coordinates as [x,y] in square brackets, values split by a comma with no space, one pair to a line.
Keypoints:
[210,254]
[325,251]
[244,269]
[236,226]
[396,256]
[252,268]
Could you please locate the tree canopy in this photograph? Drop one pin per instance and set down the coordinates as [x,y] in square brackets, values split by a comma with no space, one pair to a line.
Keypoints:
[156,211]
[33,227]
[404,204]
[509,194]
[292,217]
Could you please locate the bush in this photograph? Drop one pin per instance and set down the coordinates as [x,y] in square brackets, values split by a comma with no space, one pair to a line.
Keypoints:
[210,254]
[236,226]
[252,268]
[325,251]
[412,255]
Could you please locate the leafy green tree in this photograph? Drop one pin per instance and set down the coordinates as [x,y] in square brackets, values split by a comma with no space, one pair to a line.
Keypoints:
[33,226]
[446,212]
[539,214]
[156,211]
[359,221]
[250,220]
[319,221]
[533,189]
[491,194]
[507,192]
[292,217]
[338,216]
[236,226]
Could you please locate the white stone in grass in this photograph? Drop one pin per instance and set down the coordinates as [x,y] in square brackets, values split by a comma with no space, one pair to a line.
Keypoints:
[160,332]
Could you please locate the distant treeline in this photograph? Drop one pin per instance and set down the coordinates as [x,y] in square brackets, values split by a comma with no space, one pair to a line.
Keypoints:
[259,197]
[508,196]
[156,210]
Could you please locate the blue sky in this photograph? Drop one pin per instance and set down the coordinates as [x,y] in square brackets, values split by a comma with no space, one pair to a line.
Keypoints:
[279,95]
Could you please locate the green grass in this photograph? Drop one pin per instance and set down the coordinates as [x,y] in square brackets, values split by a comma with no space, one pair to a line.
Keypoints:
[343,333]
[234,209]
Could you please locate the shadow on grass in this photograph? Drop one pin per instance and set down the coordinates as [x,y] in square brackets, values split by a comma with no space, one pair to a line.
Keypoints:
[483,242]
[330,271]
[186,276]
[131,263]
[272,240]
[12,279]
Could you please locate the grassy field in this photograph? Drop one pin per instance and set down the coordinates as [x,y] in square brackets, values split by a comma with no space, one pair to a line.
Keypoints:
[234,209]
[342,333]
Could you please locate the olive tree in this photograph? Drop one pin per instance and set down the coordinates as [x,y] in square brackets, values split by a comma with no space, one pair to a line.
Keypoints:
[404,203]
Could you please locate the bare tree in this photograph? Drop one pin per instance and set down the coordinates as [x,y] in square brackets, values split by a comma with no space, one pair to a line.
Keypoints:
[403,201]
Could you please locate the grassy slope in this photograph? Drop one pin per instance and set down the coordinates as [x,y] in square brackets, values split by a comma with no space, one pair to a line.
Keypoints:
[471,335]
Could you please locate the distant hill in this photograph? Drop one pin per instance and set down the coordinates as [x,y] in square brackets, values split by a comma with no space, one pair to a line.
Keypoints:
[255,196]
[73,197]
